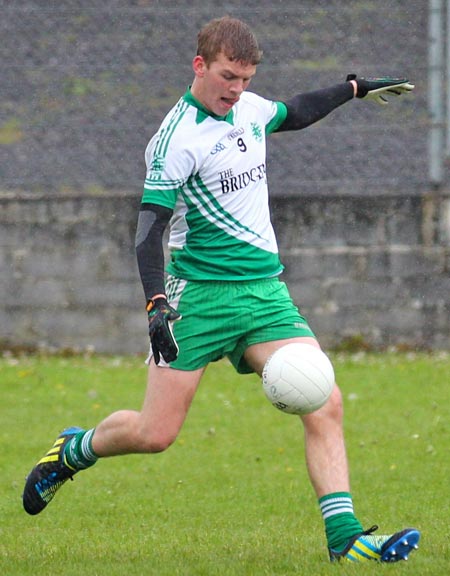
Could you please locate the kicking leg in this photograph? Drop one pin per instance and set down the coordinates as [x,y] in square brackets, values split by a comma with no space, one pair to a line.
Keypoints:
[327,466]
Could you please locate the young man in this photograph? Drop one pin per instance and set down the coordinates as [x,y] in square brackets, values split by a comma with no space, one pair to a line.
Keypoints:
[206,175]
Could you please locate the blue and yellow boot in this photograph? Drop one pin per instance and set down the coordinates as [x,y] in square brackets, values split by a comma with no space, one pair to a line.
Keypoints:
[49,474]
[367,546]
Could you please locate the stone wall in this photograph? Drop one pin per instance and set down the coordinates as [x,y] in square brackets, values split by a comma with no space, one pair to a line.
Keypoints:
[371,269]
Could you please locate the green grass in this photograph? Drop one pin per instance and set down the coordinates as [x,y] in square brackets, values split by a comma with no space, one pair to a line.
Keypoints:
[231,497]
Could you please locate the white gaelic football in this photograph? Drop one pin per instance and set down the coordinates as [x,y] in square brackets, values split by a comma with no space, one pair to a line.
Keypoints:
[298,378]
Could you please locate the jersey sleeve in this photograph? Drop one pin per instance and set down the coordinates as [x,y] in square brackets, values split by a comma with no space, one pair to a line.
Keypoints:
[163,181]
[271,112]
[169,165]
[278,118]
[153,194]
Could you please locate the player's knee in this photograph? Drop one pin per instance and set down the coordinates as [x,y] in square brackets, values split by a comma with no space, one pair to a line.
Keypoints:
[151,442]
[333,410]
[335,406]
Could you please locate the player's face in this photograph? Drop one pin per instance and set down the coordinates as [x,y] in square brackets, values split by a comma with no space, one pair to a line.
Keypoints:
[219,86]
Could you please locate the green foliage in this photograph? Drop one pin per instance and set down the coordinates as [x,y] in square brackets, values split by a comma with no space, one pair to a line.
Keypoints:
[232,495]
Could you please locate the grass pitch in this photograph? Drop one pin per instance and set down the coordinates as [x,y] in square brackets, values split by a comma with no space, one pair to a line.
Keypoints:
[232,496]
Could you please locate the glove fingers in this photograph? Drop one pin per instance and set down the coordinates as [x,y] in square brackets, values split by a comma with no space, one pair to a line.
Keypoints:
[170,355]
[373,88]
[173,316]
[378,98]
[161,318]
[156,355]
[169,346]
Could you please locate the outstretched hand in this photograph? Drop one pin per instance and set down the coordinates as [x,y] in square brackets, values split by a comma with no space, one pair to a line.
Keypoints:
[378,88]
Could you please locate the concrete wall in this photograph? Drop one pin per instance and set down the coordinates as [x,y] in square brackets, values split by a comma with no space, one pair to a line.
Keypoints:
[372,268]
[375,269]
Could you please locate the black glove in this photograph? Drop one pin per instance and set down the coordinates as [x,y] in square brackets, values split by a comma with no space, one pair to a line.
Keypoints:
[377,88]
[160,318]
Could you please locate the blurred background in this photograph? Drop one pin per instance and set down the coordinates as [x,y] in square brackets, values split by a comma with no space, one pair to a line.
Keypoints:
[360,200]
[86,84]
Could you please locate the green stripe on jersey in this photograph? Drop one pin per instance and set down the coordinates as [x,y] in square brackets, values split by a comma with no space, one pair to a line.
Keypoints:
[212,208]
[212,254]
[278,119]
[165,198]
[166,133]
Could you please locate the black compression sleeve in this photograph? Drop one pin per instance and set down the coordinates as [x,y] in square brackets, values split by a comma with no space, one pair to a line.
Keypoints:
[152,222]
[305,109]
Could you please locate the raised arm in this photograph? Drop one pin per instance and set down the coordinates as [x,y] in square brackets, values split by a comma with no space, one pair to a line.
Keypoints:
[309,107]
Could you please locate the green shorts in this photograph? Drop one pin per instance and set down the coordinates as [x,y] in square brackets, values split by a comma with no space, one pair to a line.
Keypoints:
[221,319]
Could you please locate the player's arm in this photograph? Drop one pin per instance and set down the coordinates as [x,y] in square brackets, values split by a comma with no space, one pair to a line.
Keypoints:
[305,109]
[153,220]
[309,107]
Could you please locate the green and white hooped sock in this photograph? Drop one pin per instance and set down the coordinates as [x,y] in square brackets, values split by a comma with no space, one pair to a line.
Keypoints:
[340,521]
[79,452]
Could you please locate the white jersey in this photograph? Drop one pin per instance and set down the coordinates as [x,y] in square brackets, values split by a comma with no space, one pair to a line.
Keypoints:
[212,172]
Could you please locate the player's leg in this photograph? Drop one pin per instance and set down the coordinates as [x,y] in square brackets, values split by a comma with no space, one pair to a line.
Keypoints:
[328,470]
[169,394]
[326,457]
[153,429]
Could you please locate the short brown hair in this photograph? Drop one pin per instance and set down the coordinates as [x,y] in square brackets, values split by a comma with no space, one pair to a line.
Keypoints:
[232,37]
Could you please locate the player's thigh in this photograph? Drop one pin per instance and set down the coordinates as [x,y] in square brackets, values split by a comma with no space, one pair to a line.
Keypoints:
[168,397]
[257,355]
[271,316]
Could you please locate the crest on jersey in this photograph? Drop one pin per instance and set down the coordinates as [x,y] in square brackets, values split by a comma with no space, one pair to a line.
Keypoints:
[256,131]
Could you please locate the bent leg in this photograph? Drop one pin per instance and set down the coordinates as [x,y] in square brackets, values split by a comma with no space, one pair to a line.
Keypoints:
[326,457]
[168,397]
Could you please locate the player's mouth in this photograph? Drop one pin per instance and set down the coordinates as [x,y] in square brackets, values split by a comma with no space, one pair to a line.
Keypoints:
[229,102]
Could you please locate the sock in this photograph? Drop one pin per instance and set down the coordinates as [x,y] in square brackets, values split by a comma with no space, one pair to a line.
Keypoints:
[79,452]
[340,521]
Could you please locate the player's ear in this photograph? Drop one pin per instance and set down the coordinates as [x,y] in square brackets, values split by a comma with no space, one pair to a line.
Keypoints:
[199,66]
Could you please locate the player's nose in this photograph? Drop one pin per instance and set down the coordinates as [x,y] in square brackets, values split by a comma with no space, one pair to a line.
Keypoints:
[237,87]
